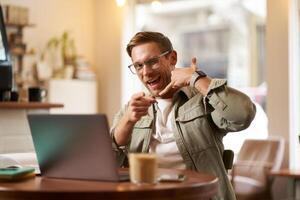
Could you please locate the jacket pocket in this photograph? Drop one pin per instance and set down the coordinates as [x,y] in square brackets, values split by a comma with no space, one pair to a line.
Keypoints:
[195,130]
[190,114]
[141,135]
[208,160]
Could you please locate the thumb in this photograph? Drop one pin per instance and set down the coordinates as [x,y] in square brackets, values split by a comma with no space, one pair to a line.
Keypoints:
[138,95]
[141,94]
[194,63]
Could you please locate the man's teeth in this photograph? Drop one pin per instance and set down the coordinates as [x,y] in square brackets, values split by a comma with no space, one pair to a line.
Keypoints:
[152,81]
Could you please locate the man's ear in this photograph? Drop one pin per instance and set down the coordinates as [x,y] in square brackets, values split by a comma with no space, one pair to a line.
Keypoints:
[173,58]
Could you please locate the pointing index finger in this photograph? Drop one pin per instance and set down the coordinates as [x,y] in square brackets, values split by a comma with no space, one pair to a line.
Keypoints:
[167,89]
[138,95]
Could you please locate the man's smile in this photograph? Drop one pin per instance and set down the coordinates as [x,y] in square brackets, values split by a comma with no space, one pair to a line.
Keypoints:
[154,83]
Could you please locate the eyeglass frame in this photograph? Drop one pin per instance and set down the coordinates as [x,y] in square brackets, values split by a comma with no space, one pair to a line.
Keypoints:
[150,62]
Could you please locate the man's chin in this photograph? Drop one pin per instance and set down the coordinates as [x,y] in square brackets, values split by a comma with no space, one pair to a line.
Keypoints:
[165,96]
[154,93]
[168,94]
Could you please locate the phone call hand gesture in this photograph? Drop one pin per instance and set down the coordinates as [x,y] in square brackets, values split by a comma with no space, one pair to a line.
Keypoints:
[180,77]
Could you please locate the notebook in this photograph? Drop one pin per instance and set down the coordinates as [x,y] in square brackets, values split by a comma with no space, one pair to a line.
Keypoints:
[74,146]
[16,173]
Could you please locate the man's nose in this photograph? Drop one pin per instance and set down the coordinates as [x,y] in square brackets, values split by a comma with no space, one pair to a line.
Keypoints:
[147,69]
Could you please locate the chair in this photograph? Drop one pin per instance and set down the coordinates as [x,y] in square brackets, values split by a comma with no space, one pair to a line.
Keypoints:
[255,160]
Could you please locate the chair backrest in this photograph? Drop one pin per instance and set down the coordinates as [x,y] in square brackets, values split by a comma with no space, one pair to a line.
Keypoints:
[256,157]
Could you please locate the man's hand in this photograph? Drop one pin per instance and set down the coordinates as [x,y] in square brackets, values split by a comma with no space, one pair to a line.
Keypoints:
[180,78]
[138,106]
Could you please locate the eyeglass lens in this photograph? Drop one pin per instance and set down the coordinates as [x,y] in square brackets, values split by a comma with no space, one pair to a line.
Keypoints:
[137,67]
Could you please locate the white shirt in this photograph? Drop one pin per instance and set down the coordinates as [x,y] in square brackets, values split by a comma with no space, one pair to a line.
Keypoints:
[162,142]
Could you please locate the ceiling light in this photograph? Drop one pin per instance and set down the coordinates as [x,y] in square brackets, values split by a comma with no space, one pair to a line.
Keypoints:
[156,5]
[120,3]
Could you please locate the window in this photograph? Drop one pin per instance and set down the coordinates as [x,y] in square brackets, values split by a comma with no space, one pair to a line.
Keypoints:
[226,36]
[294,83]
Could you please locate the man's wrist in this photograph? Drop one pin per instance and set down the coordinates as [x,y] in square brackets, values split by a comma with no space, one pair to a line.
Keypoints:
[128,121]
[195,76]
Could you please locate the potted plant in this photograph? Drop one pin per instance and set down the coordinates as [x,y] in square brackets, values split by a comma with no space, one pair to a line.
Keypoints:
[63,55]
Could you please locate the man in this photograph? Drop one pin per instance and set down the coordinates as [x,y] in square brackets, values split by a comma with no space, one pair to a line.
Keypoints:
[185,115]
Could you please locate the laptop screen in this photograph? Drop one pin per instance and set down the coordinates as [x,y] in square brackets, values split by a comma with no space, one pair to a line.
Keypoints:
[73,146]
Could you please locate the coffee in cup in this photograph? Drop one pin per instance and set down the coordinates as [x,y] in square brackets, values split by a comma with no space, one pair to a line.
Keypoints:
[143,168]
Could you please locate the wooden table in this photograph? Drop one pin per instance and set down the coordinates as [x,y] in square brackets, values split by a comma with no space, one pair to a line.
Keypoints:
[294,181]
[197,186]
[29,105]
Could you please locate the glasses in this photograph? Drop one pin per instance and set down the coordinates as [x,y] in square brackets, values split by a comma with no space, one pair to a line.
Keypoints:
[136,68]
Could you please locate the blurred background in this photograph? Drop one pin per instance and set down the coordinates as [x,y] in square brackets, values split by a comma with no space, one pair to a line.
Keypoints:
[76,50]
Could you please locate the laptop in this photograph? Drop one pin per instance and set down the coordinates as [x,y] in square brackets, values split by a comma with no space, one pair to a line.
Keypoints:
[74,147]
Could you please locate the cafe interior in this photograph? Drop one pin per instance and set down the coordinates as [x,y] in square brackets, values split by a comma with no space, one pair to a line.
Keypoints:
[74,52]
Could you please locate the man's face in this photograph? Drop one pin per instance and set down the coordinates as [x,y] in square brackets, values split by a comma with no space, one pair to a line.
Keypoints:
[154,76]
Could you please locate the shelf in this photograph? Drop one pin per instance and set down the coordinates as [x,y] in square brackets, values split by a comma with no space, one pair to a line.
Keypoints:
[19,25]
[29,105]
[18,51]
[21,53]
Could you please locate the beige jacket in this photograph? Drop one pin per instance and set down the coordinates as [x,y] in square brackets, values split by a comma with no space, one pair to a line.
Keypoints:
[199,124]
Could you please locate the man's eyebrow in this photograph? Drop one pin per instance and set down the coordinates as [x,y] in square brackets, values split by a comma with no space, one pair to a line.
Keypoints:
[149,59]
[155,57]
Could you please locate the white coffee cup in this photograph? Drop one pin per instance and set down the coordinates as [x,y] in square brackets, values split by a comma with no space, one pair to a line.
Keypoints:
[143,168]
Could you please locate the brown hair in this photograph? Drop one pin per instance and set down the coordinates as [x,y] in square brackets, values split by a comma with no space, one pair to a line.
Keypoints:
[147,36]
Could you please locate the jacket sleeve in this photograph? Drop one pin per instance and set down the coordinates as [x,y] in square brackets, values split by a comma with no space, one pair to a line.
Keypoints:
[120,151]
[233,110]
